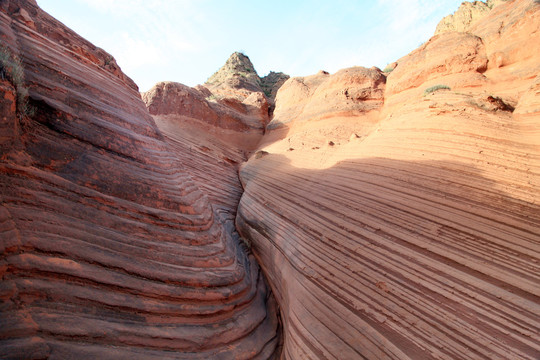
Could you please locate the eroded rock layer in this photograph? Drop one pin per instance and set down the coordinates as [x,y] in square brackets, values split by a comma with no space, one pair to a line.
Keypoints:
[211,137]
[108,247]
[408,230]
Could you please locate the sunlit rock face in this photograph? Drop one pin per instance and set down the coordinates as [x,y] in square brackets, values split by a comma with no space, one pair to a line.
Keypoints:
[109,248]
[409,229]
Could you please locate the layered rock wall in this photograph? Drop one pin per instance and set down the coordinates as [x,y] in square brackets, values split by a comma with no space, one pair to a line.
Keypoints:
[395,215]
[109,249]
[410,230]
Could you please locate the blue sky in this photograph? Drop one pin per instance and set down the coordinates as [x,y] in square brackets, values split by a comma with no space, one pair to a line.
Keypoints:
[188,40]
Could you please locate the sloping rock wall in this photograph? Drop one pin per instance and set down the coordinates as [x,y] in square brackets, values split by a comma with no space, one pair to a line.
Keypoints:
[409,231]
[108,247]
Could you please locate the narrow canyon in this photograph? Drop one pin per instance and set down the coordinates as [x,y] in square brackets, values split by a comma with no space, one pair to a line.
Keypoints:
[364,214]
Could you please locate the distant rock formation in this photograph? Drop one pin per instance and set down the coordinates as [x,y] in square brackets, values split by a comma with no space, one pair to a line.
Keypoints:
[467,14]
[271,83]
[238,73]
[238,79]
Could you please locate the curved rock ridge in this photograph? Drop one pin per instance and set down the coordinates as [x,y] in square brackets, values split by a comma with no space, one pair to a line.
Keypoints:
[109,249]
[409,231]
[441,59]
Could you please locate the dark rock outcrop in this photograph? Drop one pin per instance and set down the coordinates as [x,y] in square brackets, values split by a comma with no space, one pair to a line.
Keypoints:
[271,83]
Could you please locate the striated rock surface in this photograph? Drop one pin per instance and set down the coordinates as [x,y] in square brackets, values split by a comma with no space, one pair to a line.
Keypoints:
[214,127]
[395,214]
[211,137]
[109,249]
[409,229]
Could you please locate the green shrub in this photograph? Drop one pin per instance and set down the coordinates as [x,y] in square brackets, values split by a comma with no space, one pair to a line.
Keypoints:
[12,70]
[388,69]
[434,88]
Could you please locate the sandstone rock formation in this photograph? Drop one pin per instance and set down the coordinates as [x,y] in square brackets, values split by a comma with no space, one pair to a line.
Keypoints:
[212,138]
[395,215]
[238,79]
[408,230]
[467,14]
[109,249]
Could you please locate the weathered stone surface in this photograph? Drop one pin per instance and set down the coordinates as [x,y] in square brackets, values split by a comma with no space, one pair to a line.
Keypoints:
[348,92]
[437,60]
[511,33]
[466,15]
[391,222]
[109,249]
[409,232]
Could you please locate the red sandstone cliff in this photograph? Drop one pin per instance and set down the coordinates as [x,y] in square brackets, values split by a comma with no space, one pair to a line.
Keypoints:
[109,249]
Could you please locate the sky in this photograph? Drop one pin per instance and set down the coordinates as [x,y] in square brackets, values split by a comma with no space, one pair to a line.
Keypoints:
[188,40]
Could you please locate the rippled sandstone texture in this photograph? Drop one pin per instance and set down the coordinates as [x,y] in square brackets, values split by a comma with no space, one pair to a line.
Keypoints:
[109,248]
[217,125]
[394,218]
[398,219]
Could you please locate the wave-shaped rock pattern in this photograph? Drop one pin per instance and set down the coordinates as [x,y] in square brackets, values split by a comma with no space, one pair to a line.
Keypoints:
[210,137]
[416,237]
[109,249]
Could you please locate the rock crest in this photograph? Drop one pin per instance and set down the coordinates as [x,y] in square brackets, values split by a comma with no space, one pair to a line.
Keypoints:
[466,15]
